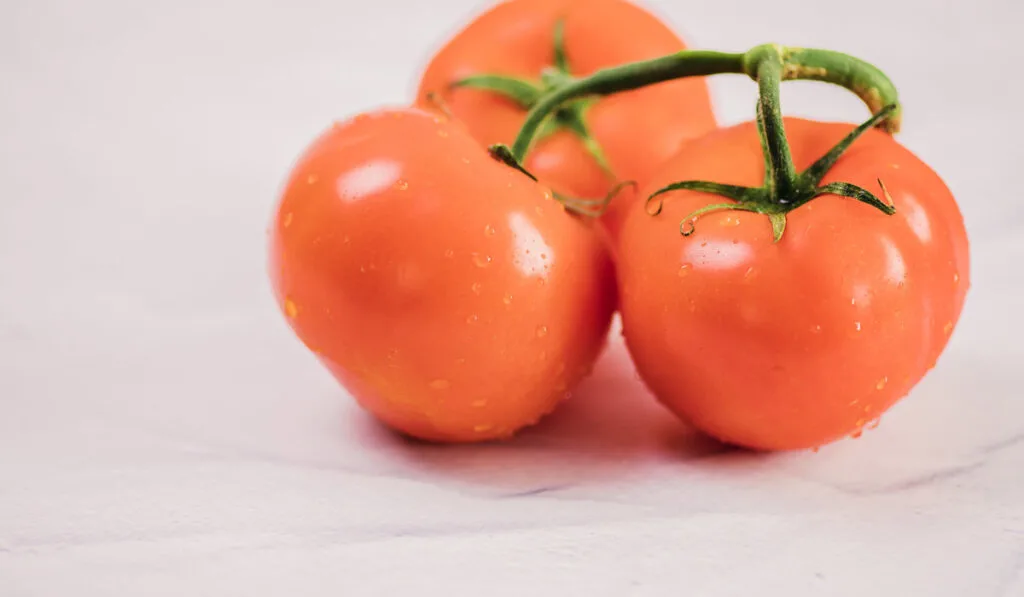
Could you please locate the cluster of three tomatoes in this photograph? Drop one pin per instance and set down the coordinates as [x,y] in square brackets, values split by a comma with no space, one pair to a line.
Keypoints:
[460,300]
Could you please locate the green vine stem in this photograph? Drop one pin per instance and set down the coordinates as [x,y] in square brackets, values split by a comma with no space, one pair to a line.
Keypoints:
[863,79]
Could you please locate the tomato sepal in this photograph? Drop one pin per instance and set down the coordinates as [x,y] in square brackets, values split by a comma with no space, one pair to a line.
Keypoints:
[796,190]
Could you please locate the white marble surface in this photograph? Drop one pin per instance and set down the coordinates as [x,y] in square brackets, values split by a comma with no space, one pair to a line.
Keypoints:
[162,433]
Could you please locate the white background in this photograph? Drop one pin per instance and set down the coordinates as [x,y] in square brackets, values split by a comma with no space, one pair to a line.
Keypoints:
[163,433]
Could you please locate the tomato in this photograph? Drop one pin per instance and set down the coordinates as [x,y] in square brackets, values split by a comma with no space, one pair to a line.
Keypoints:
[637,129]
[448,293]
[793,344]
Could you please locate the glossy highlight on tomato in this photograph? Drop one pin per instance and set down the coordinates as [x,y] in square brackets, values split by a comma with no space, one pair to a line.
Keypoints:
[792,344]
[448,293]
[637,130]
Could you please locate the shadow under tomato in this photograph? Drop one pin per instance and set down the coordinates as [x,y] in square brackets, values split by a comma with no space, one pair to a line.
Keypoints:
[611,428]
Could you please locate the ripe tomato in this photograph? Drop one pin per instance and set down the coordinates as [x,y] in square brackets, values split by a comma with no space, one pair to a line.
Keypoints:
[637,130]
[450,294]
[792,344]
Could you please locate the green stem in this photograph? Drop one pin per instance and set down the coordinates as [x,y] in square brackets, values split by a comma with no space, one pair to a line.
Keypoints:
[869,83]
[778,157]
[688,63]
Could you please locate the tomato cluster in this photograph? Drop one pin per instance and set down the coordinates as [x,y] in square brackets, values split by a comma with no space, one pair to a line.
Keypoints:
[459,297]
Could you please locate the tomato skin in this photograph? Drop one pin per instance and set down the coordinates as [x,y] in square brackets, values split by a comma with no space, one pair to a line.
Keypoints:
[795,344]
[450,294]
[637,129]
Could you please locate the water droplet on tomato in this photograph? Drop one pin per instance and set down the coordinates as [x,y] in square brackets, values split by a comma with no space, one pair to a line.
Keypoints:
[684,270]
[346,240]
[290,308]
[311,179]
[489,230]
[472,319]
[856,325]
[542,330]
[816,449]
[956,278]
[507,299]
[481,260]
[482,428]
[401,185]
[476,288]
[449,253]
[856,434]
[362,269]
[465,160]
[288,219]
[749,273]
[440,384]
[543,355]
[947,328]
[460,361]
[479,403]
[881,383]
[442,133]
[874,424]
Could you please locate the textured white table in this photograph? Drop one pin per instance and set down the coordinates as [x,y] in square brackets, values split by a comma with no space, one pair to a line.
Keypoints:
[162,433]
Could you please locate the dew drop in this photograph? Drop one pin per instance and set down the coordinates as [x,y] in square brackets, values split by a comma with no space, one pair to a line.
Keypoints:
[442,133]
[853,301]
[346,240]
[481,260]
[290,308]
[476,288]
[856,434]
[542,330]
[547,194]
[460,361]
[479,403]
[881,383]
[489,230]
[956,278]
[684,270]
[749,273]
[947,328]
[449,253]
[816,329]
[401,185]
[311,179]
[472,319]
[856,325]
[440,384]
[482,428]
[288,219]
[874,424]
[539,211]
[362,269]
[507,299]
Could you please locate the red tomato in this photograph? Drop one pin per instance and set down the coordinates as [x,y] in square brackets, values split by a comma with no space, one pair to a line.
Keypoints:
[792,344]
[450,294]
[637,129]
